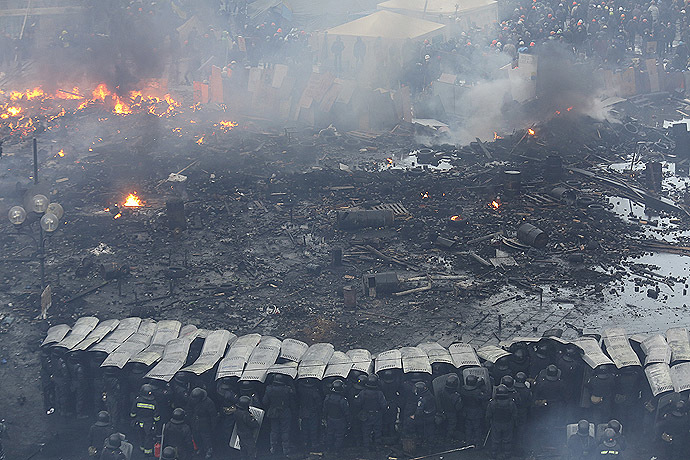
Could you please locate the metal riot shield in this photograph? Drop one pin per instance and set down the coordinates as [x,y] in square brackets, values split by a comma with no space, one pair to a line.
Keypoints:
[314,361]
[213,350]
[679,343]
[463,355]
[659,378]
[262,358]
[166,331]
[656,350]
[510,342]
[414,359]
[288,368]
[95,336]
[338,366]
[55,334]
[174,357]
[680,375]
[593,355]
[135,344]
[391,359]
[436,353]
[122,332]
[482,374]
[81,329]
[571,430]
[292,350]
[361,360]
[619,349]
[492,353]
[189,332]
[237,356]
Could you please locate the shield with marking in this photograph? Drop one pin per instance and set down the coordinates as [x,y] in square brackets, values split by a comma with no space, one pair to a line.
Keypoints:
[518,340]
[659,378]
[414,359]
[463,355]
[166,331]
[619,349]
[288,368]
[134,344]
[338,366]
[56,334]
[492,353]
[361,360]
[440,359]
[482,374]
[292,350]
[125,329]
[656,350]
[593,355]
[174,357]
[79,332]
[212,352]
[262,358]
[391,359]
[680,375]
[314,361]
[679,343]
[95,336]
[237,356]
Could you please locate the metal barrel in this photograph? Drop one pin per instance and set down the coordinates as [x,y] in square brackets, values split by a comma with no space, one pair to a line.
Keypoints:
[564,194]
[529,234]
[512,182]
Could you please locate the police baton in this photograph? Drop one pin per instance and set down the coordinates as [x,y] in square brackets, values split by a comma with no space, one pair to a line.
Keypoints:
[487,437]
[471,446]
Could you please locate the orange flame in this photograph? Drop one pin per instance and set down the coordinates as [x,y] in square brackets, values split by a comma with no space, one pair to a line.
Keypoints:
[132,201]
[569,108]
[455,218]
[425,195]
[200,141]
[61,153]
[495,204]
[531,132]
[227,125]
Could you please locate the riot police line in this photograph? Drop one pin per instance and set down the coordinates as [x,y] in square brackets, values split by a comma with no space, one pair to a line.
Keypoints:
[179,389]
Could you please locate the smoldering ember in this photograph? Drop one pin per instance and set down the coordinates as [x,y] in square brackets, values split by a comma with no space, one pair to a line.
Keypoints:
[316,229]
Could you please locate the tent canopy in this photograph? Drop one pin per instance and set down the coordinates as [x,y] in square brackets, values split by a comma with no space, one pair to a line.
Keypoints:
[388,25]
[435,7]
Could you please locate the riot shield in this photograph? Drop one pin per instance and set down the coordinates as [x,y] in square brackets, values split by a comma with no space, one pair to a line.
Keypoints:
[314,361]
[482,373]
[571,430]
[56,334]
[679,343]
[262,358]
[81,329]
[512,341]
[96,335]
[213,350]
[166,331]
[656,350]
[659,378]
[619,349]
[492,353]
[122,332]
[237,356]
[174,357]
[463,355]
[680,375]
[391,359]
[361,360]
[414,359]
[288,368]
[292,350]
[135,344]
[593,355]
[338,366]
[438,385]
[436,353]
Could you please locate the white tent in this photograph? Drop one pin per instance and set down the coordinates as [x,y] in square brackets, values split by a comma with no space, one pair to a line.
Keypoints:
[478,12]
[388,25]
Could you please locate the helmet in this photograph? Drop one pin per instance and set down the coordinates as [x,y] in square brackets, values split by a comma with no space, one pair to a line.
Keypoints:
[114,441]
[519,355]
[520,377]
[583,428]
[308,382]
[168,453]
[679,408]
[372,381]
[178,415]
[337,386]
[609,437]
[471,381]
[552,373]
[103,418]
[388,376]
[247,387]
[502,392]
[243,402]
[420,388]
[279,379]
[452,382]
[508,381]
[198,394]
[361,381]
[146,391]
[542,350]
[615,425]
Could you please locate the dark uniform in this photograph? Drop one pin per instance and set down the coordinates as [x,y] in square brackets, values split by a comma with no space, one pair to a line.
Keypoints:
[425,415]
[178,435]
[204,416]
[602,388]
[372,404]
[47,383]
[99,432]
[571,365]
[79,384]
[113,395]
[310,403]
[336,411]
[450,405]
[390,385]
[145,417]
[609,447]
[548,403]
[501,415]
[473,410]
[581,445]
[63,393]
[246,425]
[673,432]
[227,399]
[112,450]
[278,403]
[524,406]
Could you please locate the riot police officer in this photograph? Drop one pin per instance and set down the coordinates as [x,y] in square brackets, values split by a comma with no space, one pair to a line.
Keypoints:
[79,384]
[501,415]
[99,432]
[310,403]
[548,403]
[425,415]
[450,405]
[113,395]
[524,405]
[473,410]
[246,426]
[602,388]
[673,431]
[178,435]
[336,411]
[145,418]
[112,450]
[609,447]
[581,445]
[372,404]
[279,402]
[227,398]
[390,386]
[203,420]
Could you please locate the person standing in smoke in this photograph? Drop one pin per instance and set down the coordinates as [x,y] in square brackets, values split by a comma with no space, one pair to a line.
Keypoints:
[310,403]
[424,416]
[337,49]
[246,425]
[450,405]
[372,404]
[178,435]
[602,389]
[581,445]
[99,432]
[336,411]
[359,50]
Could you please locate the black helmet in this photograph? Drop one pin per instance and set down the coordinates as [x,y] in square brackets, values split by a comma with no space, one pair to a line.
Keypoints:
[679,408]
[361,381]
[420,388]
[309,382]
[542,350]
[471,381]
[502,392]
[609,437]
[178,415]
[552,372]
[520,377]
[182,378]
[508,381]
[243,402]
[103,418]
[247,387]
[114,441]
[615,425]
[168,453]
[452,382]
[372,381]
[198,394]
[146,391]
[583,428]
[279,379]
[519,355]
[388,376]
[337,386]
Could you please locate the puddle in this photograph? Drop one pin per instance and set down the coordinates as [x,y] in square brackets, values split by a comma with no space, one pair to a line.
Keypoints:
[419,159]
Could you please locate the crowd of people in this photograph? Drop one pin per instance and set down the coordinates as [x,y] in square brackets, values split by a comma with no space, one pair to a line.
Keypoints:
[520,403]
